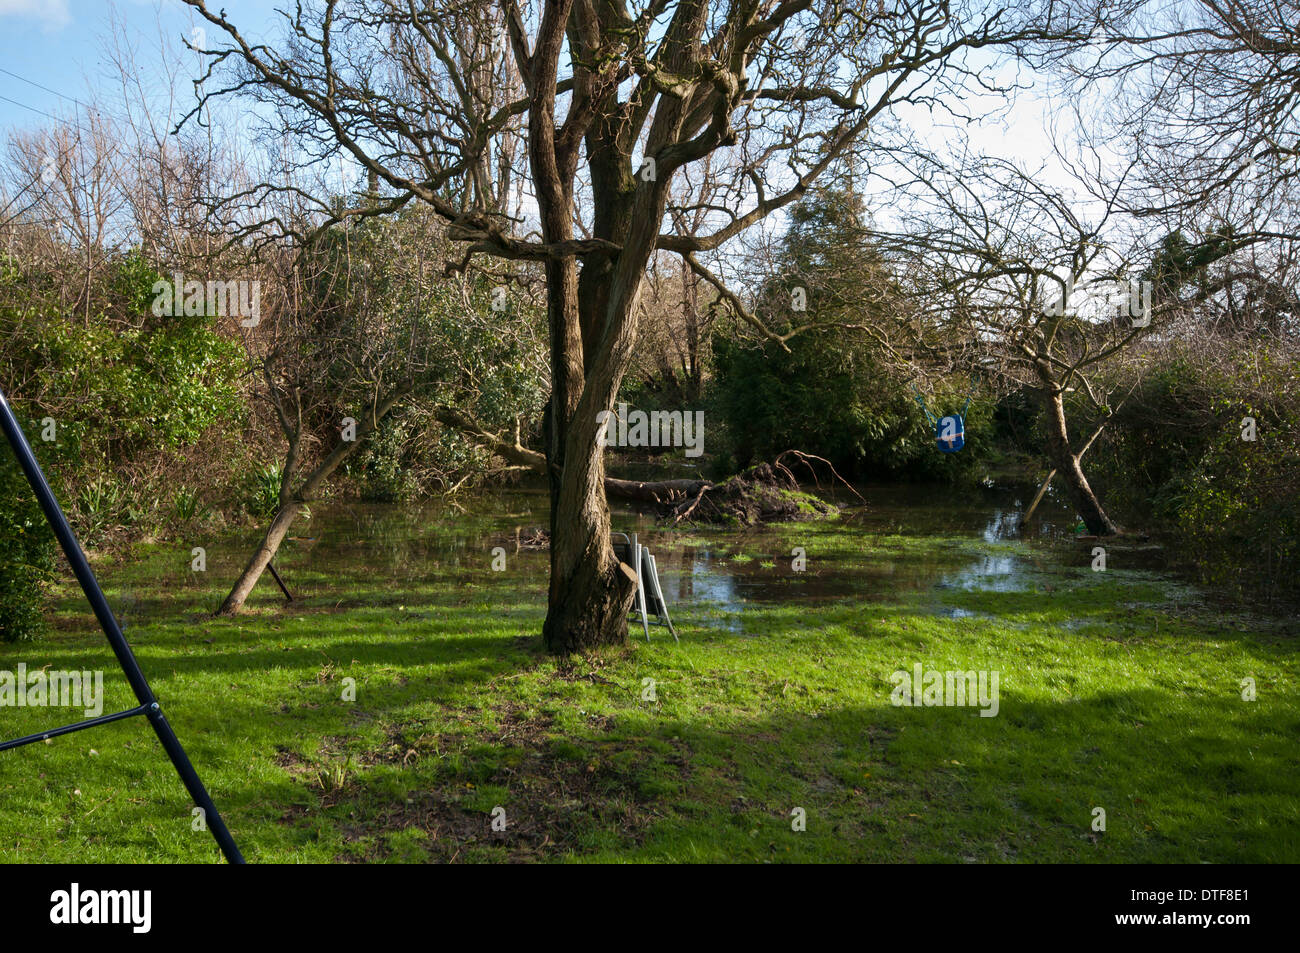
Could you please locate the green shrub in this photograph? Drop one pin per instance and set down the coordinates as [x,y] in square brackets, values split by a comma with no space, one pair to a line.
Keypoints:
[132,393]
[386,472]
[827,396]
[262,490]
[187,508]
[27,551]
[1239,509]
[1175,454]
[831,394]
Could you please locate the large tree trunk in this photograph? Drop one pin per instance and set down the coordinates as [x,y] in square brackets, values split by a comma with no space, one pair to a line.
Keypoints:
[592,316]
[590,591]
[260,559]
[1067,464]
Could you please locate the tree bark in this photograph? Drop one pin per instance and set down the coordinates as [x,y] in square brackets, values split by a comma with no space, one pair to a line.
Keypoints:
[1042,490]
[260,559]
[1067,464]
[592,313]
[590,590]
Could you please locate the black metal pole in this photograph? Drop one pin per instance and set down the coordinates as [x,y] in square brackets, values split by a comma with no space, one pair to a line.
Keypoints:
[279,581]
[69,729]
[108,622]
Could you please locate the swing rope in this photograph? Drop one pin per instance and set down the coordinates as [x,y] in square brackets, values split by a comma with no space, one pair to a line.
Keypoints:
[934,421]
[974,381]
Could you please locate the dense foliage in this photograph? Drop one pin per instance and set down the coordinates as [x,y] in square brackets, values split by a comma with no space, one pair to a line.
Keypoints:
[830,391]
[116,402]
[1180,454]
[375,311]
[830,396]
[26,555]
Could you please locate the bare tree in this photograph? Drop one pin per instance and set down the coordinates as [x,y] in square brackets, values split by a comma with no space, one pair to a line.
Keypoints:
[316,356]
[637,91]
[1203,97]
[357,328]
[1034,290]
[73,171]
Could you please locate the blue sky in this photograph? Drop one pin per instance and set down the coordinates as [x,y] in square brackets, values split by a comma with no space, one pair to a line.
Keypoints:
[59,44]
[54,54]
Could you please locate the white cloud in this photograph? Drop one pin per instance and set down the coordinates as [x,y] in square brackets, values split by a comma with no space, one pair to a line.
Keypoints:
[52,13]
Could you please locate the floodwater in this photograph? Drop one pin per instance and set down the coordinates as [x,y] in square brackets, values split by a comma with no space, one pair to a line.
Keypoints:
[914,540]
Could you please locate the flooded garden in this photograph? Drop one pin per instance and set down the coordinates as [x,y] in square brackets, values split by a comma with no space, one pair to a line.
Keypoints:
[401,707]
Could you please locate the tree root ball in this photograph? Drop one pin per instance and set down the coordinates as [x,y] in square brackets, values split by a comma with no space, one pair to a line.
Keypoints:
[761,494]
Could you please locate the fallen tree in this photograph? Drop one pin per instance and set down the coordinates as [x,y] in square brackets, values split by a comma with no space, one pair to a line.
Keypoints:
[654,492]
[766,493]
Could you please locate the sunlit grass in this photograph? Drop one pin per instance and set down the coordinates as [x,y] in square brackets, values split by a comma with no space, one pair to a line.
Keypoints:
[1119,690]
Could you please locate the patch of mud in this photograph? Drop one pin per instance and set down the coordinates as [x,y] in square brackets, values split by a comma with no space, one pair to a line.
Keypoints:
[560,790]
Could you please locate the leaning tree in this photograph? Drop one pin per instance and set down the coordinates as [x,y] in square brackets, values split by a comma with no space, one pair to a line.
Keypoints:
[1036,288]
[612,98]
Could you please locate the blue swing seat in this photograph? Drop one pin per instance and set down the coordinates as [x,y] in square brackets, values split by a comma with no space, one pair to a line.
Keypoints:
[950,433]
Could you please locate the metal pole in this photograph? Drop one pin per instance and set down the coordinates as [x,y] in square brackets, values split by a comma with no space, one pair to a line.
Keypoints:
[69,729]
[108,622]
[279,581]
[1038,498]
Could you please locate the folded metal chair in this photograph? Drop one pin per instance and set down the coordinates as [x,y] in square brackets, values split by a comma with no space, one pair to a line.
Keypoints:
[649,594]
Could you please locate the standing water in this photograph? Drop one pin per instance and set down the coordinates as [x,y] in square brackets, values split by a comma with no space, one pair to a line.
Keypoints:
[900,542]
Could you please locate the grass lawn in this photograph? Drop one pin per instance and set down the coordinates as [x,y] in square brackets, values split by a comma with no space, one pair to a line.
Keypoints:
[1118,689]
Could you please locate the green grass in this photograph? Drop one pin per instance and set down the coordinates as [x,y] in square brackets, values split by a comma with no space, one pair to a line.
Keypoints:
[1118,690]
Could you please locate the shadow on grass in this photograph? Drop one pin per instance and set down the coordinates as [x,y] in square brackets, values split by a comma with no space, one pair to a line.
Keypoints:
[1209,782]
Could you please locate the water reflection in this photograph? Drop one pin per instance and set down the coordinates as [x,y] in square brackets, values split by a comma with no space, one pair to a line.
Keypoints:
[993,573]
[714,580]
